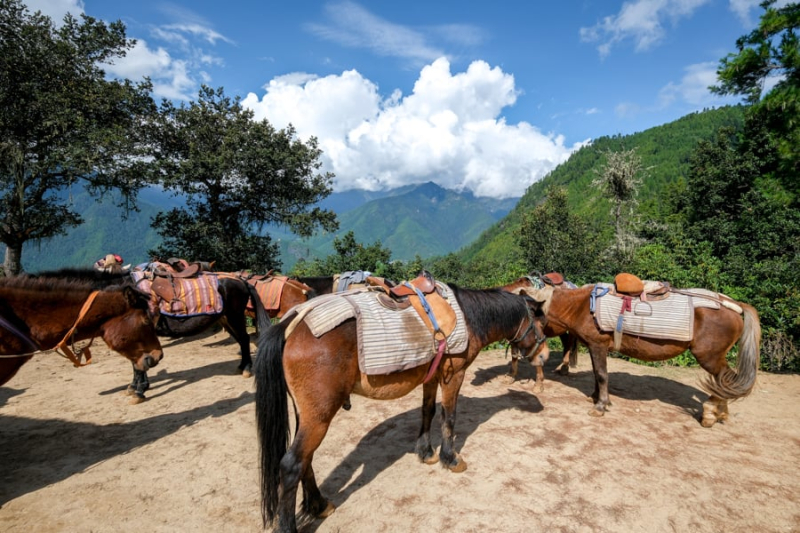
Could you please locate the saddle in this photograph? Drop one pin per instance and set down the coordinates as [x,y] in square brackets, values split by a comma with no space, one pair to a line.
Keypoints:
[553,278]
[167,285]
[626,284]
[423,295]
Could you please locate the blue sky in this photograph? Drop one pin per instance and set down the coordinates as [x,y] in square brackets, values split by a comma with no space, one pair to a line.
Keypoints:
[485,96]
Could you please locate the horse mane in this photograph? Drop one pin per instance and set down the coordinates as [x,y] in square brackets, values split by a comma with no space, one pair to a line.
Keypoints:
[97,278]
[487,309]
[48,284]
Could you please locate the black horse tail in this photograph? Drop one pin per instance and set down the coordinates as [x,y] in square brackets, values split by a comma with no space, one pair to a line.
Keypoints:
[262,317]
[730,384]
[272,414]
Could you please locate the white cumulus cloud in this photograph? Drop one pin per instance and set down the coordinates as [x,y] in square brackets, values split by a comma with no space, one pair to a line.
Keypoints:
[448,130]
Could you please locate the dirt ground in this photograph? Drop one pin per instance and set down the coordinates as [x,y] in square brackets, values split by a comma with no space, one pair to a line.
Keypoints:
[76,457]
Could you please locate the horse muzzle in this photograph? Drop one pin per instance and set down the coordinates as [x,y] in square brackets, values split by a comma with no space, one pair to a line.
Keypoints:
[151,360]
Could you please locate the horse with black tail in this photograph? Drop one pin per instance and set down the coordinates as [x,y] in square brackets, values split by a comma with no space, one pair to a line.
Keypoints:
[321,372]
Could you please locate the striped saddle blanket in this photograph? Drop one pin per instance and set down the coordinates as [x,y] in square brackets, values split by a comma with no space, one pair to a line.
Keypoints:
[670,318]
[187,297]
[269,292]
[388,340]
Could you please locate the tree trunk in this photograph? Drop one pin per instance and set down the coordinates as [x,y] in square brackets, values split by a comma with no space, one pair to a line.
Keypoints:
[13,262]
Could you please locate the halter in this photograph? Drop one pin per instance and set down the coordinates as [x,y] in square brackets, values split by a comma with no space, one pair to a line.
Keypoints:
[540,339]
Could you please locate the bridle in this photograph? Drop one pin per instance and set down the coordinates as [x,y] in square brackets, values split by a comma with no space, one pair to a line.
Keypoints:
[540,338]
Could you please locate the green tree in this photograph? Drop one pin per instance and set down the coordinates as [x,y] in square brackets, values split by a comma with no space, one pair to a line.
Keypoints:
[350,255]
[238,175]
[62,123]
[552,238]
[770,52]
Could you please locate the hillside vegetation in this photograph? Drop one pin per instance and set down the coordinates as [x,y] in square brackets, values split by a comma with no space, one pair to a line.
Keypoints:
[664,150]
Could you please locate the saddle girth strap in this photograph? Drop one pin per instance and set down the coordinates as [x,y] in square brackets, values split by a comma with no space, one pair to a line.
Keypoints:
[436,360]
[63,345]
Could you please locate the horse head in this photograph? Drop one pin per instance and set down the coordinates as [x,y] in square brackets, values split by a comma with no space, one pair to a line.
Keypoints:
[132,333]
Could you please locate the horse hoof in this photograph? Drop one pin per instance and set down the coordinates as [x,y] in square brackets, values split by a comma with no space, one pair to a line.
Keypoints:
[562,371]
[538,388]
[329,509]
[135,399]
[708,420]
[130,391]
[459,467]
[247,374]
[596,413]
[432,460]
[508,380]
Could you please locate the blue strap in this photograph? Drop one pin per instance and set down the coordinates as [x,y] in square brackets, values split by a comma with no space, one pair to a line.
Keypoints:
[425,306]
[597,292]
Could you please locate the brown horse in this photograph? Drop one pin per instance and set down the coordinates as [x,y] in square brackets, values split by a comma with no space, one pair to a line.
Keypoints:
[320,373]
[715,333]
[569,342]
[278,294]
[40,314]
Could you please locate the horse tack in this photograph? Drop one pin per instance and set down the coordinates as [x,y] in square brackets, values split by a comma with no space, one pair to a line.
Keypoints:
[68,353]
[709,335]
[436,313]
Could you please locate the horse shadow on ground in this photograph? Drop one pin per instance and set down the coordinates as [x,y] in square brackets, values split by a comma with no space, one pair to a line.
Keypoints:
[37,453]
[638,388]
[396,437]
[165,382]
[8,393]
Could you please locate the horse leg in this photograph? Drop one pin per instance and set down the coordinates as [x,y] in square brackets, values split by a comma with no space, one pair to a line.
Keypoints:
[539,385]
[314,504]
[423,449]
[714,410]
[570,345]
[447,454]
[138,386]
[236,327]
[600,368]
[511,377]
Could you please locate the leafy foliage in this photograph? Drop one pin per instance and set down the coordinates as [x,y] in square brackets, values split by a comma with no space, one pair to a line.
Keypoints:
[770,52]
[554,239]
[237,175]
[62,122]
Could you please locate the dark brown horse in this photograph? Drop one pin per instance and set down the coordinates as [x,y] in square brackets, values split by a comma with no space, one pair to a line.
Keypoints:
[40,314]
[715,333]
[320,373]
[235,297]
[569,342]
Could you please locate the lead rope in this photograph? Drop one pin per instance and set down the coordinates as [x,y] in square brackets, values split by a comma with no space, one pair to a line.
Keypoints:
[68,353]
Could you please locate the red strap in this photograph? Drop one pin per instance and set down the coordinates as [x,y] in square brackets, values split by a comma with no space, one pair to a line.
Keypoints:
[436,361]
[626,304]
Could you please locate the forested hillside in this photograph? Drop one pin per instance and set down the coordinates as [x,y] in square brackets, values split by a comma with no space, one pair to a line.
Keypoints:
[664,150]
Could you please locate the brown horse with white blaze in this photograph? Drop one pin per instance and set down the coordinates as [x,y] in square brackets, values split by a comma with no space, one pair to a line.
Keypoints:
[320,373]
[715,332]
[40,314]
